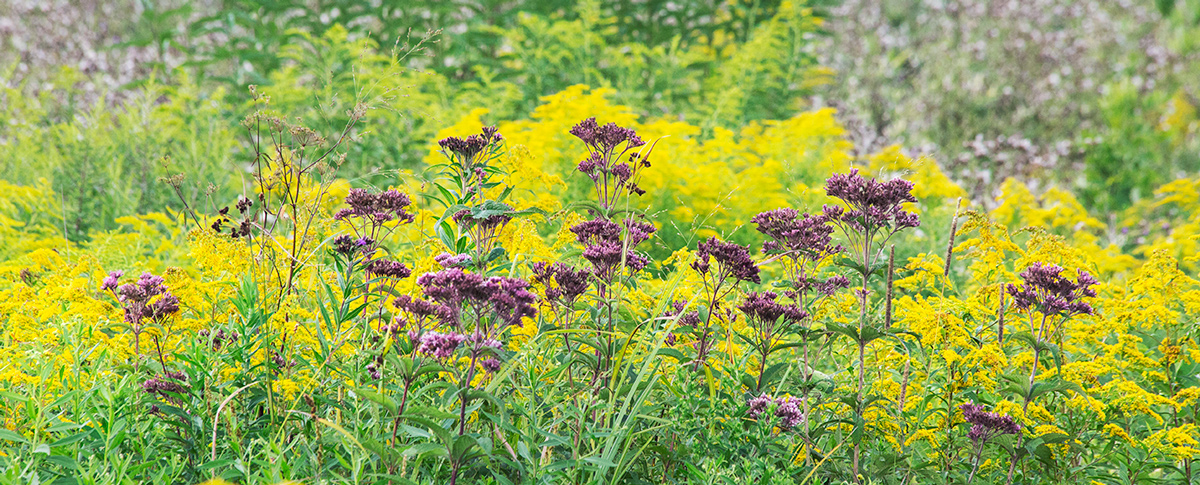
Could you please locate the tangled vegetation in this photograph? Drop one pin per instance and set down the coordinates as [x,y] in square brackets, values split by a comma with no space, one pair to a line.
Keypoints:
[419,281]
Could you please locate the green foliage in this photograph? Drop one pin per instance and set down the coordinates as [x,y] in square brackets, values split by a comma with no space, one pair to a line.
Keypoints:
[105,162]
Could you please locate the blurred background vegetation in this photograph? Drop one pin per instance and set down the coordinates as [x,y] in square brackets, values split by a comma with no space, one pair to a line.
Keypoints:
[99,99]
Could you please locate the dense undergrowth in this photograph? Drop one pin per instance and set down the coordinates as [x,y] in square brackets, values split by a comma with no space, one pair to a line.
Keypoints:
[601,300]
[384,275]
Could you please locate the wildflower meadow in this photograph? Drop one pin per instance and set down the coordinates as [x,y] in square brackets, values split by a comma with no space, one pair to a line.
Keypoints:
[627,243]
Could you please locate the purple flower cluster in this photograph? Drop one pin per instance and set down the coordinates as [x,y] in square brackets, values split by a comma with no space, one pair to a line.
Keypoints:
[763,310]
[447,260]
[508,298]
[807,236]
[490,364]
[872,204]
[826,287]
[605,139]
[388,269]
[733,260]
[596,231]
[570,282]
[479,341]
[375,367]
[686,320]
[377,208]
[606,164]
[440,345]
[759,405]
[1048,291]
[466,149]
[169,386]
[111,281]
[986,425]
[605,248]
[347,245]
[422,310]
[787,410]
[147,299]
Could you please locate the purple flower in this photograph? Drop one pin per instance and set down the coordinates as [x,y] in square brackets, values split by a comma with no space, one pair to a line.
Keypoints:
[788,412]
[377,208]
[480,341]
[1046,290]
[490,364]
[606,138]
[686,319]
[808,236]
[508,298]
[465,149]
[607,258]
[217,339]
[591,165]
[388,269]
[571,283]
[112,281]
[440,345]
[345,245]
[447,260]
[514,301]
[606,164]
[169,385]
[733,260]
[148,298]
[596,231]
[872,204]
[986,425]
[606,249]
[638,232]
[758,405]
[471,149]
[832,285]
[763,310]
[422,309]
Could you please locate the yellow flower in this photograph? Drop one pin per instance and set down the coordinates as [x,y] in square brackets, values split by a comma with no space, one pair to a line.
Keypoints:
[286,388]
[1117,432]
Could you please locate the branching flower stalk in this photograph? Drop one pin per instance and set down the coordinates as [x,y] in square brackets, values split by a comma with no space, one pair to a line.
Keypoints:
[1049,300]
[802,242]
[873,213]
[615,158]
[564,286]
[373,217]
[287,158]
[612,162]
[984,427]
[734,265]
[476,310]
[474,200]
[145,302]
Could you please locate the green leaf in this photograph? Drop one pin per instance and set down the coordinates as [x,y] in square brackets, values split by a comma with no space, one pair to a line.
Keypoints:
[425,449]
[378,398]
[9,435]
